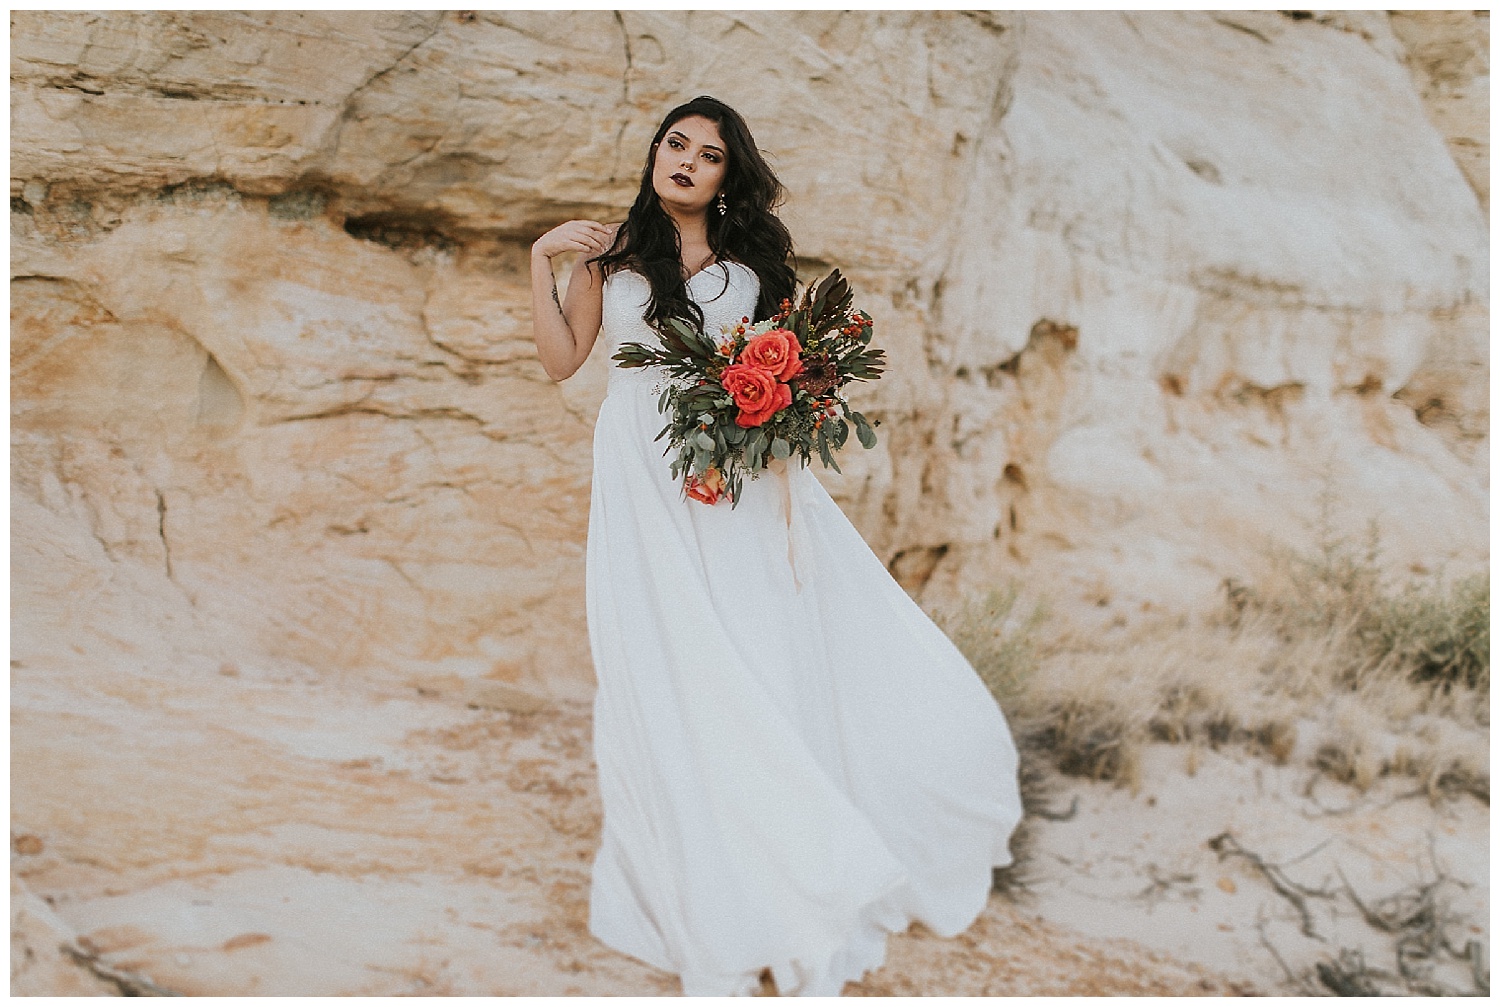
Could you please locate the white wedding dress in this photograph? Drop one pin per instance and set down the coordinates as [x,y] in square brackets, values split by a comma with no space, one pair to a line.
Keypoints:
[793,759]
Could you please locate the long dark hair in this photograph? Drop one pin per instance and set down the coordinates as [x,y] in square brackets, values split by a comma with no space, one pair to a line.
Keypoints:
[749,233]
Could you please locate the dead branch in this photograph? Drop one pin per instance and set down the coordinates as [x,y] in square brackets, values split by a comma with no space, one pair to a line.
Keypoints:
[1163,884]
[1225,845]
[1418,922]
[1347,975]
[1309,854]
[1260,928]
[1324,811]
[1415,918]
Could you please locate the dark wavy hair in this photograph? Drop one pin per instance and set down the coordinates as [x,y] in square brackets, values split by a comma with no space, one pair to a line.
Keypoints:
[749,233]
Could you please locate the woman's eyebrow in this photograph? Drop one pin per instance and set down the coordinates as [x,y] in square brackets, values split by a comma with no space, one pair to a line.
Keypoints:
[706,146]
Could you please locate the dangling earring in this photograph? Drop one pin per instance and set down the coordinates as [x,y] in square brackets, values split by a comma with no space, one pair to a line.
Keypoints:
[722,208]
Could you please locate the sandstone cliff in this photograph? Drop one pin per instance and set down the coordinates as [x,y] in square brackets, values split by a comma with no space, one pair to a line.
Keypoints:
[1150,284]
[1155,289]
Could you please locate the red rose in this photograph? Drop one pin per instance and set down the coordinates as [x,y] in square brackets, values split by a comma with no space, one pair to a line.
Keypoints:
[707,487]
[777,351]
[756,391]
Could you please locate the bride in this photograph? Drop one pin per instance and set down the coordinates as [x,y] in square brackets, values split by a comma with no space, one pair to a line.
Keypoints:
[794,761]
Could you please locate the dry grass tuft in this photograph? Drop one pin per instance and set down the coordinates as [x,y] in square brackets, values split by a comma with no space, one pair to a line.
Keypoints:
[1318,660]
[1001,643]
[1429,630]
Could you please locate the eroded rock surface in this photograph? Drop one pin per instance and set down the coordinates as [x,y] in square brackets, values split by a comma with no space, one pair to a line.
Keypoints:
[1149,284]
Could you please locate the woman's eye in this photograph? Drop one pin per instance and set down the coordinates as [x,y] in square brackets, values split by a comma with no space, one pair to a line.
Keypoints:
[674,144]
[712,158]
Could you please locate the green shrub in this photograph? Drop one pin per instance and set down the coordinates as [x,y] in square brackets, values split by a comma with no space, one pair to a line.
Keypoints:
[1435,632]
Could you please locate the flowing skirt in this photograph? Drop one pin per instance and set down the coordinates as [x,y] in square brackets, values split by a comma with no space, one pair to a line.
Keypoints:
[794,760]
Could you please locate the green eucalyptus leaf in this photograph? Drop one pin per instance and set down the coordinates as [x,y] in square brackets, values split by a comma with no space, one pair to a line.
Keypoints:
[827,455]
[780,448]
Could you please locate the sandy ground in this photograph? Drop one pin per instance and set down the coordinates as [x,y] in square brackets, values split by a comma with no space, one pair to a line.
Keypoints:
[231,836]
[1144,865]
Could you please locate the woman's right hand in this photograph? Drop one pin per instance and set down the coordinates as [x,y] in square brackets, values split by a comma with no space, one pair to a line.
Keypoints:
[587,236]
[564,334]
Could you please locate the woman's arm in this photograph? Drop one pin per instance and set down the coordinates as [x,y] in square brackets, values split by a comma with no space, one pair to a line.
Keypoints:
[565,331]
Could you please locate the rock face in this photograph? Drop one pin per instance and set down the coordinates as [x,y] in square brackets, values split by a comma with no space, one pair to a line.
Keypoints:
[1448,52]
[1151,286]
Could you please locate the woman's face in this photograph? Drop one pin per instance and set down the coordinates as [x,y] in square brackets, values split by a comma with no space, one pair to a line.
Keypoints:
[690,166]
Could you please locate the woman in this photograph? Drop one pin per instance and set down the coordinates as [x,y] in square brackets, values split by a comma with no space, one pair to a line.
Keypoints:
[794,761]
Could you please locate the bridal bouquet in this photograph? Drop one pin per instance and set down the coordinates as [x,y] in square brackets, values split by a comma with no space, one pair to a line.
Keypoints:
[762,391]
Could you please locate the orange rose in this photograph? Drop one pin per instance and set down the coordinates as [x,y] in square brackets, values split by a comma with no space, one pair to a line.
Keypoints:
[777,351]
[756,391]
[708,487]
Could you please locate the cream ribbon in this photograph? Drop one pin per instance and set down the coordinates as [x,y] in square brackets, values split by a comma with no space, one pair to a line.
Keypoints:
[794,529]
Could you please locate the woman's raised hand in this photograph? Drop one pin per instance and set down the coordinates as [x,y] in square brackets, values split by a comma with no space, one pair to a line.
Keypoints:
[564,334]
[587,236]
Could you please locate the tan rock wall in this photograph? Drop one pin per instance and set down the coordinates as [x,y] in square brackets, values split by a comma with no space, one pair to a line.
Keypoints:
[1448,53]
[39,965]
[1149,284]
